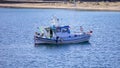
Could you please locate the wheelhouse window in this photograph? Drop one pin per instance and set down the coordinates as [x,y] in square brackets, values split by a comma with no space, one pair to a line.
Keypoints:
[58,30]
[64,30]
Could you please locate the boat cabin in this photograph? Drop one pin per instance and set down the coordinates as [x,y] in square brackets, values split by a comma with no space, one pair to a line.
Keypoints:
[60,31]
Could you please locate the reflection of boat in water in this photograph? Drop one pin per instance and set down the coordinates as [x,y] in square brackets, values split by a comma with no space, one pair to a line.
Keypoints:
[60,35]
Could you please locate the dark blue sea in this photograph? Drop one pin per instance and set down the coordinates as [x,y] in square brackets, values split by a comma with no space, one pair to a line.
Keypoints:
[17,50]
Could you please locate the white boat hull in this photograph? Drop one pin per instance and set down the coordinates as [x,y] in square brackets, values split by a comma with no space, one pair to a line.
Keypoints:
[64,40]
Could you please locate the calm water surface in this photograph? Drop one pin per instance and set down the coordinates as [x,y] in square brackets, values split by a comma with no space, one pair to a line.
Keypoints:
[17,50]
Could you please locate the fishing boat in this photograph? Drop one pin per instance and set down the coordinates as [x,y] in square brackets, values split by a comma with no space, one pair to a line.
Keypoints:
[60,35]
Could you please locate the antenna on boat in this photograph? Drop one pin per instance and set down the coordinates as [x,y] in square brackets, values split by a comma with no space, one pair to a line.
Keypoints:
[55,21]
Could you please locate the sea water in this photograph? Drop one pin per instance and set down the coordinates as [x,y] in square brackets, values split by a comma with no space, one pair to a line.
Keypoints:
[17,50]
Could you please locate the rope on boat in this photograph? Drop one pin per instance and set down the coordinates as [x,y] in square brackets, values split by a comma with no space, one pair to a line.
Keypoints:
[57,39]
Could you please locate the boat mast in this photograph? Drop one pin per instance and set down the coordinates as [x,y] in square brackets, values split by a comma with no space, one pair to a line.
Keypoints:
[55,21]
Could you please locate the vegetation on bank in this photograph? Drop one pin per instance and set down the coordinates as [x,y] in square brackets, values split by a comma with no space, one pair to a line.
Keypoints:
[110,6]
[70,1]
